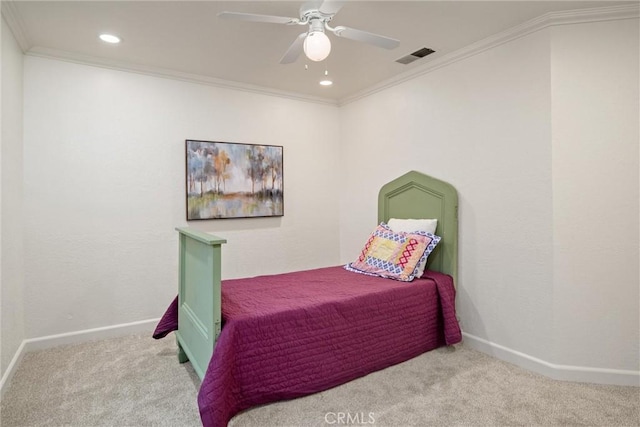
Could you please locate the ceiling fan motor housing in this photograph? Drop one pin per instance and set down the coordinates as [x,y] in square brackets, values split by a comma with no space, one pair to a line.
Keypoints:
[311,15]
[315,25]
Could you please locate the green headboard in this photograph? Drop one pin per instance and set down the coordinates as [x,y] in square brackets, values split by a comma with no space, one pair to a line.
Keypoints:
[416,195]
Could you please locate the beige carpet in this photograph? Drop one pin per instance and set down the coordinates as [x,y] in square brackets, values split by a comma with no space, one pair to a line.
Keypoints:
[137,381]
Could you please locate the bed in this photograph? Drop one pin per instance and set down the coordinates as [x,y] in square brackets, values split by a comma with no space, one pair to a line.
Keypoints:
[288,335]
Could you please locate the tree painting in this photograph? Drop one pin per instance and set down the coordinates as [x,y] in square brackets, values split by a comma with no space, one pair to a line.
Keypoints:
[230,180]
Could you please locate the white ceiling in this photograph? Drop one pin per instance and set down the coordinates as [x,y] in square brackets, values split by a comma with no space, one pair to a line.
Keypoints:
[188,37]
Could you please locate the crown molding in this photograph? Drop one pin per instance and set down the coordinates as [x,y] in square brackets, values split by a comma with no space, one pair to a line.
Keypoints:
[43,52]
[547,20]
[12,18]
[544,21]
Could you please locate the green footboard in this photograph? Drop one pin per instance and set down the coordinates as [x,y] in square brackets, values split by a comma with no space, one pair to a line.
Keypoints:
[199,310]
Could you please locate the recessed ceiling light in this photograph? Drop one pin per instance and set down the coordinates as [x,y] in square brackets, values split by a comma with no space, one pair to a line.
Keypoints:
[326,82]
[110,38]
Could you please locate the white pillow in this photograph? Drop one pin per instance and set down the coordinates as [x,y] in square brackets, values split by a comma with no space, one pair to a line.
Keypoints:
[411,225]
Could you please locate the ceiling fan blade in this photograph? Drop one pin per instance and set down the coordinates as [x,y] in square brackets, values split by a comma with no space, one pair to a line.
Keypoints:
[294,50]
[330,7]
[253,17]
[364,36]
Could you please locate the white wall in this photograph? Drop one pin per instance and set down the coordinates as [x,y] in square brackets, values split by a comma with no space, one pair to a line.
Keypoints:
[104,188]
[483,125]
[2,365]
[595,103]
[11,248]
[540,138]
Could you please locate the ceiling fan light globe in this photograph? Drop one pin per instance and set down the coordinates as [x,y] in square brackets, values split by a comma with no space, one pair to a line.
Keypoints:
[317,46]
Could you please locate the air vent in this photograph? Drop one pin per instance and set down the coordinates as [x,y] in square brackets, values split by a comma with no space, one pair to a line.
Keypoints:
[420,53]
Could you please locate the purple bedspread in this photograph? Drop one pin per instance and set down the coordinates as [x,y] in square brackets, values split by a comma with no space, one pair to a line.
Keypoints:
[293,334]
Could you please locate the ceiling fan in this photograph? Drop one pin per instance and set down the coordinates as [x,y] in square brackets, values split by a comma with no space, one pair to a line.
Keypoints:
[314,42]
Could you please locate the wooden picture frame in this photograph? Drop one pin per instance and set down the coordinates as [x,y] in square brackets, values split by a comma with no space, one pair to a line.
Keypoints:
[233,180]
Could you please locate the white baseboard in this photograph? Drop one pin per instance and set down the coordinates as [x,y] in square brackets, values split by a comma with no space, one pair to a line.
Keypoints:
[42,343]
[11,369]
[551,370]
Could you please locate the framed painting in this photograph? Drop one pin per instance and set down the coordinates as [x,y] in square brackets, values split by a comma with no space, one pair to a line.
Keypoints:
[233,180]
